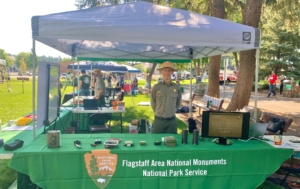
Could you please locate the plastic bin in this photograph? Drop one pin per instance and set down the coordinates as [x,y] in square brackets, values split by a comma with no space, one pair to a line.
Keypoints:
[199,79]
[132,129]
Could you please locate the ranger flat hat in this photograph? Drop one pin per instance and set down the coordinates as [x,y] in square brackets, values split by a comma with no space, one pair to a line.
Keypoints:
[167,64]
[97,70]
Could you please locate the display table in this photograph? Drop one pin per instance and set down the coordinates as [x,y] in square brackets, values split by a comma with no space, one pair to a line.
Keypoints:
[82,116]
[207,165]
[27,135]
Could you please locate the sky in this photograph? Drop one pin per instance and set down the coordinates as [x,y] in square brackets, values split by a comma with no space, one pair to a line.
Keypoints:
[15,24]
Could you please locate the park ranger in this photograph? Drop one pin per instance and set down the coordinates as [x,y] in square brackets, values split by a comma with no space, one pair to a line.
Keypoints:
[165,100]
[99,87]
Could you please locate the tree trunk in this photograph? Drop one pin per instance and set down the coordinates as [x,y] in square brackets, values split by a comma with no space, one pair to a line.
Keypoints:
[197,65]
[213,77]
[242,92]
[150,74]
[214,66]
[237,64]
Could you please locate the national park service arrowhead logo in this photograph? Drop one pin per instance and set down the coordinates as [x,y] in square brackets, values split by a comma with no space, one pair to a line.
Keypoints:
[101,166]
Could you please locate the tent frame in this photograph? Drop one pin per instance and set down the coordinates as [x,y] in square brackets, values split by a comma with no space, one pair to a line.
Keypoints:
[238,37]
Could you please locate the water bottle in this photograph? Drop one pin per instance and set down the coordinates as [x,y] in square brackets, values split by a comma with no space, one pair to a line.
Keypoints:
[207,104]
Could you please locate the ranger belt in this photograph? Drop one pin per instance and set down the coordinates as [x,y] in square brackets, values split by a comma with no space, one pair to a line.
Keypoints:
[165,119]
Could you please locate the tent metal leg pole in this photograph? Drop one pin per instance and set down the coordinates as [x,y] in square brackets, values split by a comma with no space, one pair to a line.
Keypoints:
[33,86]
[190,101]
[256,83]
[224,76]
[77,83]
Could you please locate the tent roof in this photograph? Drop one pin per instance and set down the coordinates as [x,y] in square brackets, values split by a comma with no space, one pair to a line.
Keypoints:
[141,31]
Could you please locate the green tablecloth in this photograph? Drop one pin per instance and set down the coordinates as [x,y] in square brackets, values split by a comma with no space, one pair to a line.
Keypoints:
[207,165]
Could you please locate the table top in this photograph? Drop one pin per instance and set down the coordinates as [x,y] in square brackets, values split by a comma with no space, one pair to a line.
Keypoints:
[101,110]
[74,102]
[286,143]
[208,164]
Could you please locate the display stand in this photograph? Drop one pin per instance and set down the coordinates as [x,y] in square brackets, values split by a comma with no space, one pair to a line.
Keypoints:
[223,141]
[48,124]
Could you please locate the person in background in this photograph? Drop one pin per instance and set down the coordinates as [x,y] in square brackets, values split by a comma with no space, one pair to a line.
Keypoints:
[84,84]
[272,81]
[135,83]
[75,81]
[165,100]
[118,87]
[122,81]
[282,78]
[99,87]
[109,77]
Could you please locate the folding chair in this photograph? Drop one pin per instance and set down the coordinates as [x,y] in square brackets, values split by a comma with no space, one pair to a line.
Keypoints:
[98,123]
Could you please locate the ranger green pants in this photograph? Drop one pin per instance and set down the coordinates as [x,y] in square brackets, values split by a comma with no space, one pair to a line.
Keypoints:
[161,126]
[101,101]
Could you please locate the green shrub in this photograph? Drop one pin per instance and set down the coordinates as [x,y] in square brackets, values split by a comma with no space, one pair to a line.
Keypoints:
[264,86]
[261,86]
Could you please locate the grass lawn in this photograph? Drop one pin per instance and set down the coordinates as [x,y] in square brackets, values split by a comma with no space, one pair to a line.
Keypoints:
[18,103]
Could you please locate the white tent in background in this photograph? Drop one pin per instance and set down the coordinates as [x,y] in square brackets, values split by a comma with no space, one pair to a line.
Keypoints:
[141,31]
[132,69]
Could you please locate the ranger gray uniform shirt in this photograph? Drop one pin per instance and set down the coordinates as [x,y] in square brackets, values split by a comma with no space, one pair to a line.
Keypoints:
[165,99]
[99,84]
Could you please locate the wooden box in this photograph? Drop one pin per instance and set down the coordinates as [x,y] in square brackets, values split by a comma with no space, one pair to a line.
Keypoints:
[53,139]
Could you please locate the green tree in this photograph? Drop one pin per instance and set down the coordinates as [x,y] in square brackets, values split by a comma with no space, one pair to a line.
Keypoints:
[26,56]
[139,67]
[4,56]
[51,59]
[181,66]
[23,65]
[66,60]
[280,46]
[201,65]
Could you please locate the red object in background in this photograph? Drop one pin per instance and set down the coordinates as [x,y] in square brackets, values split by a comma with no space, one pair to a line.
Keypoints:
[127,88]
[30,116]
[132,131]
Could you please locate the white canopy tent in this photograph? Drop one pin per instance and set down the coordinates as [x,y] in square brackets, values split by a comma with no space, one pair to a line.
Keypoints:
[141,31]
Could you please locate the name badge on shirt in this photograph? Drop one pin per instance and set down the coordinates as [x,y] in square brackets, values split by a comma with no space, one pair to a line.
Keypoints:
[158,92]
[175,90]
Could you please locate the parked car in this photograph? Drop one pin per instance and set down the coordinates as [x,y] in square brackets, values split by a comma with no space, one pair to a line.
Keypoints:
[28,73]
[63,76]
[230,78]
